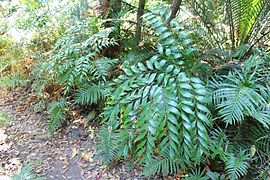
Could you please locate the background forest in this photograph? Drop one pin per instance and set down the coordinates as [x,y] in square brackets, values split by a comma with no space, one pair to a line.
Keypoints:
[175,87]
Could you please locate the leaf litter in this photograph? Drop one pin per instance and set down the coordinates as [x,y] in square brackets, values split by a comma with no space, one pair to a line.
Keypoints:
[68,154]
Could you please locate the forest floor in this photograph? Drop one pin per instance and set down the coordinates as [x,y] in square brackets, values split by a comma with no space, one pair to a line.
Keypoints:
[69,154]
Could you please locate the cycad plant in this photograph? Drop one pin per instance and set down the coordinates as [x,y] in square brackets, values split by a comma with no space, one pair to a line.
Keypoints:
[241,99]
[78,66]
[233,25]
[156,112]
[239,95]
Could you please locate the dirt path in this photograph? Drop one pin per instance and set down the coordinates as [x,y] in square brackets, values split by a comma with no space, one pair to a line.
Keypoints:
[70,154]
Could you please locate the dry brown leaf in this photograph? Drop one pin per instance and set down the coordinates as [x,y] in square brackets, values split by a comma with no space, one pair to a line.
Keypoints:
[74,153]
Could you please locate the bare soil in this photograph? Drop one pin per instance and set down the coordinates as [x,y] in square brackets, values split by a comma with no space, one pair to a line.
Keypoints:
[69,154]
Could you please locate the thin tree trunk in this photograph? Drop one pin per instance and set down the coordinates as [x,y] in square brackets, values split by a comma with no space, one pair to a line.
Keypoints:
[174,9]
[140,12]
[115,8]
[101,6]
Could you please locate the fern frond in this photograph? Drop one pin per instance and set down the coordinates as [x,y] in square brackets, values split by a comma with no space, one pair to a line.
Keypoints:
[237,166]
[108,143]
[90,94]
[13,80]
[57,111]
[237,96]
[157,107]
[162,165]
[77,57]
[26,172]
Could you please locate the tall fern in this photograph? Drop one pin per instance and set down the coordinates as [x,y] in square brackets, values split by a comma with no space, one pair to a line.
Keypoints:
[156,108]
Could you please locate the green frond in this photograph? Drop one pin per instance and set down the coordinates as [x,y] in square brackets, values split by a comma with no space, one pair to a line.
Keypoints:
[13,80]
[245,19]
[237,166]
[57,111]
[161,165]
[197,174]
[90,94]
[77,57]
[108,143]
[26,172]
[238,96]
[159,109]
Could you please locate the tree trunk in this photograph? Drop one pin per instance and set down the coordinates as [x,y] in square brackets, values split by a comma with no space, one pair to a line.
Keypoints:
[140,12]
[174,9]
[101,6]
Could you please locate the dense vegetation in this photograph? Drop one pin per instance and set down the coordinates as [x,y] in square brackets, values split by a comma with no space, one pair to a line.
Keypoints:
[176,87]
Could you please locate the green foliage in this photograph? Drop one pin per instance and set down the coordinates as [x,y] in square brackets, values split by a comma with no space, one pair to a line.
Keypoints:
[34,4]
[26,172]
[236,160]
[242,17]
[13,80]
[10,53]
[90,94]
[237,95]
[4,118]
[197,175]
[162,164]
[156,108]
[76,57]
[256,140]
[57,111]
[108,143]
[236,166]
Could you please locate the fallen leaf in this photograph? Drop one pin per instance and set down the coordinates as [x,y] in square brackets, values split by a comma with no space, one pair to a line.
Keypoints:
[74,153]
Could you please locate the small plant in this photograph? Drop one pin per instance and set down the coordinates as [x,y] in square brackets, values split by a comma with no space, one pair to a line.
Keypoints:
[240,95]
[57,111]
[4,118]
[26,172]
[13,80]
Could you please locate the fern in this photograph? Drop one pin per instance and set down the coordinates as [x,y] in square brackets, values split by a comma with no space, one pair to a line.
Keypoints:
[197,174]
[76,57]
[57,111]
[162,165]
[90,94]
[242,16]
[237,96]
[237,166]
[107,143]
[256,139]
[156,108]
[13,80]
[26,172]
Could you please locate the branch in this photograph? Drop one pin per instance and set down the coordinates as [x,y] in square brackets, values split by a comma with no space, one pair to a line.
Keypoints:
[174,9]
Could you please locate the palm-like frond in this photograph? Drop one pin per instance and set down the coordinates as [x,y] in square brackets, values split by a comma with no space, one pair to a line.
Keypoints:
[237,166]
[90,94]
[246,19]
[107,143]
[244,16]
[237,96]
[157,107]
[162,165]
[57,111]
[256,140]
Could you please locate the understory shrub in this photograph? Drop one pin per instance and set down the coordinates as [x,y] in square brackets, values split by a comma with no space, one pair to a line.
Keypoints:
[157,113]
